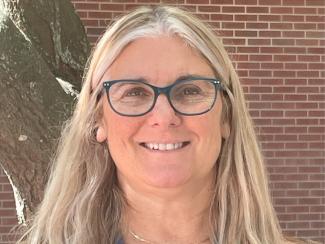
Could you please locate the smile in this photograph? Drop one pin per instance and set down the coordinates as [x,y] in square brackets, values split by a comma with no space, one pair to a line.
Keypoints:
[165,146]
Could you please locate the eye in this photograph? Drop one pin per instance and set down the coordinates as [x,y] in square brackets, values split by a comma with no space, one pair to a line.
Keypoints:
[191,90]
[135,92]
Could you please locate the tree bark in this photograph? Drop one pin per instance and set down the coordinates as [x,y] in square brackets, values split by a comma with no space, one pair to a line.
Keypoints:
[40,41]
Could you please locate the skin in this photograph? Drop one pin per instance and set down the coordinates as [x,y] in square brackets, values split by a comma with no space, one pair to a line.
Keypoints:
[167,190]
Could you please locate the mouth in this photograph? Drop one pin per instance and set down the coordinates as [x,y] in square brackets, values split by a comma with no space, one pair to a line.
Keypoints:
[164,146]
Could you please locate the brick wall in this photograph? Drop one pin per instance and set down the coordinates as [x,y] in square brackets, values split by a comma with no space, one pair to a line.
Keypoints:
[278,48]
[7,209]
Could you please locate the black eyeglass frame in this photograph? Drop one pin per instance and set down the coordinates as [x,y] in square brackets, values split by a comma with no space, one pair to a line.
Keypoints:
[163,90]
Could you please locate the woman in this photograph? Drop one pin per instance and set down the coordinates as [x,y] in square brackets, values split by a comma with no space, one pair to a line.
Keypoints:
[160,148]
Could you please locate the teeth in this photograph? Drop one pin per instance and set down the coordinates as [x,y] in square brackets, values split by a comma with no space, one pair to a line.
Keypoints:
[163,147]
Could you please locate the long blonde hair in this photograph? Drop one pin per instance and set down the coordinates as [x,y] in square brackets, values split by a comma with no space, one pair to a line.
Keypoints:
[83,202]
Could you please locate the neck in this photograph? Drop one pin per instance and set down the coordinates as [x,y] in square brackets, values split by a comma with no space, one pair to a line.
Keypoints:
[178,215]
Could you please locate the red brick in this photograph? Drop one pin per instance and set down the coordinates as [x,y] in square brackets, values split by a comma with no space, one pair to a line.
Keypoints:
[295,66]
[306,42]
[222,1]
[268,2]
[317,208]
[296,145]
[260,57]
[233,25]
[100,15]
[295,97]
[248,49]
[272,113]
[308,89]
[297,225]
[260,73]
[316,129]
[318,145]
[209,8]
[315,34]
[293,18]
[272,66]
[318,225]
[285,201]
[87,6]
[257,10]
[245,2]
[281,10]
[233,41]
[296,113]
[315,3]
[269,18]
[248,33]
[307,73]
[285,121]
[270,34]
[271,50]
[297,50]
[309,58]
[314,50]
[285,57]
[295,130]
[305,26]
[221,17]
[317,82]
[287,217]
[315,18]
[283,42]
[281,26]
[284,73]
[305,10]
[296,177]
[112,7]
[317,193]
[7,212]
[245,17]
[248,66]
[9,204]
[271,81]
[95,31]
[283,105]
[254,25]
[197,1]
[316,97]
[294,33]
[286,138]
[260,105]
[297,209]
[272,130]
[271,97]
[233,9]
[310,137]
[293,2]
[306,105]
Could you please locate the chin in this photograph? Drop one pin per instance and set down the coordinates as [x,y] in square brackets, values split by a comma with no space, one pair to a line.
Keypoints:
[167,179]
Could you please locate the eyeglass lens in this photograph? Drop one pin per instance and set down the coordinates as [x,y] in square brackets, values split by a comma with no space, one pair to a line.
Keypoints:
[136,98]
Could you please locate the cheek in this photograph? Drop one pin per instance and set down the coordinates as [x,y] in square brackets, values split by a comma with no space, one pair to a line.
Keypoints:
[120,131]
[209,134]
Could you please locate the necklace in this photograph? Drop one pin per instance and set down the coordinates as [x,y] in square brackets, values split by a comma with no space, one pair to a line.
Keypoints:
[140,239]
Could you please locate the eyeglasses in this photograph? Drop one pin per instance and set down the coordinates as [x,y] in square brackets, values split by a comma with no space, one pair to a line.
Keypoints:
[189,96]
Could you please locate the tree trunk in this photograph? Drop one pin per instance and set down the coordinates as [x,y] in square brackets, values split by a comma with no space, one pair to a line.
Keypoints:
[42,42]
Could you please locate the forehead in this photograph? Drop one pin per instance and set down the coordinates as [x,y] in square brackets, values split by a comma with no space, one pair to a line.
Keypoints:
[161,58]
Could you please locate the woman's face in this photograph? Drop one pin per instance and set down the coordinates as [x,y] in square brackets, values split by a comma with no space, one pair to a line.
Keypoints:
[161,61]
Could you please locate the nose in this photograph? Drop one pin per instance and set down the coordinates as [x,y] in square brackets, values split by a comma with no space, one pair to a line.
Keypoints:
[163,114]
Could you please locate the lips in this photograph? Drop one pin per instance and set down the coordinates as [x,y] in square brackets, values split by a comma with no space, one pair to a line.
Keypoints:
[164,146]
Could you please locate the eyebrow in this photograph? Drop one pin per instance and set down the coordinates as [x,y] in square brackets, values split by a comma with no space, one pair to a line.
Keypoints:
[182,77]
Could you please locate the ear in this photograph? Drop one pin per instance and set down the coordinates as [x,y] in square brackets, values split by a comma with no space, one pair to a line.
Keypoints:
[225,130]
[101,134]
